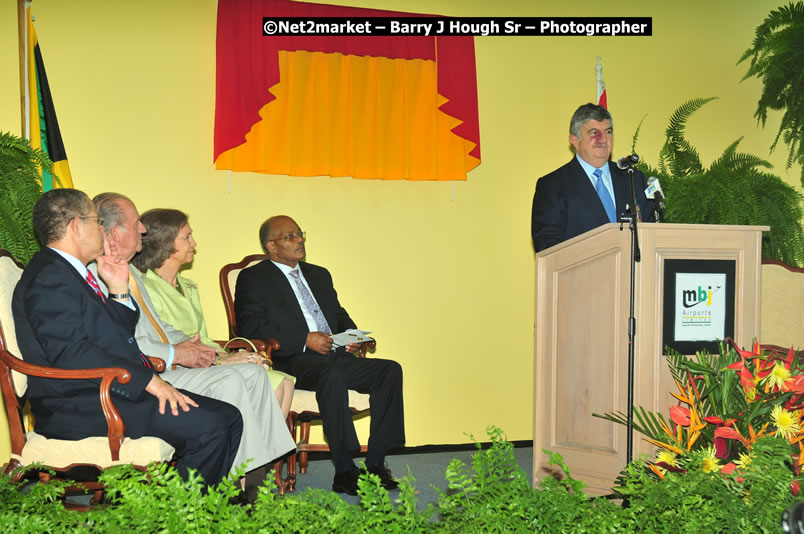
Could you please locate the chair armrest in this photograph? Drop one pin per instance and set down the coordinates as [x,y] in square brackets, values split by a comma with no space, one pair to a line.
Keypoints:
[158,363]
[361,352]
[116,426]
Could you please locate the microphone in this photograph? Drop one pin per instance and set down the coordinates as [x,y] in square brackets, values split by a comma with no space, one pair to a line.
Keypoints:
[654,191]
[627,161]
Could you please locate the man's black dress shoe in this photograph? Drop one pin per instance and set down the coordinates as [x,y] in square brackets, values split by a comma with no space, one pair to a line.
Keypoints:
[382,471]
[346,482]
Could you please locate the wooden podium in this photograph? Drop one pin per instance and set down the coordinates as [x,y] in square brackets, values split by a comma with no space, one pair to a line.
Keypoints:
[581,336]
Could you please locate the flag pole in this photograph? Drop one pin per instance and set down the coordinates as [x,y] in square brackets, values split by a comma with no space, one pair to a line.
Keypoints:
[22,34]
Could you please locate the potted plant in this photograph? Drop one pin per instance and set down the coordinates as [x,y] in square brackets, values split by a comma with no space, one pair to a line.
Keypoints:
[734,189]
[20,187]
[727,402]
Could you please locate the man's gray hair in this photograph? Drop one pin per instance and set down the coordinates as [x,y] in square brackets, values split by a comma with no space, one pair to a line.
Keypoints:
[586,113]
[108,206]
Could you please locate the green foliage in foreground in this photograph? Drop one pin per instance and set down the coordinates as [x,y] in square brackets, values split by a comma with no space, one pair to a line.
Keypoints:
[490,495]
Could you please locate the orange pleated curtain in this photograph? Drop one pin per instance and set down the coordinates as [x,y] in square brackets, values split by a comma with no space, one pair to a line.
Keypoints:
[341,114]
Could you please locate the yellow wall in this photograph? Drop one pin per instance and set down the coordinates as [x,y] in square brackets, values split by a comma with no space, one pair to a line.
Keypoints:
[446,284]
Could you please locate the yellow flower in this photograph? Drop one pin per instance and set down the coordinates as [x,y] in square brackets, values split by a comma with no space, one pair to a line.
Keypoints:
[787,423]
[667,457]
[710,461]
[744,461]
[778,376]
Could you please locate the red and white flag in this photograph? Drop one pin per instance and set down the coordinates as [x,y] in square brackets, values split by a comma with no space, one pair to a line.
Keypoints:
[601,86]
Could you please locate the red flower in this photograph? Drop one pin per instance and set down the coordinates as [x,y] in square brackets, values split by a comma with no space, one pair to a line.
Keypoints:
[728,468]
[680,415]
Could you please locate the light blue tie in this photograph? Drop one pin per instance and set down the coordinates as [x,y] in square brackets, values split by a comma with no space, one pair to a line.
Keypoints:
[604,195]
[309,303]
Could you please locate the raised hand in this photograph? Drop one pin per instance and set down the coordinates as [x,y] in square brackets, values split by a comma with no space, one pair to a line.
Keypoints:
[112,268]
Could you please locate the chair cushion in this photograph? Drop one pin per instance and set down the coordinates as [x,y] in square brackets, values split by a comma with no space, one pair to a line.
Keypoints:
[9,276]
[304,401]
[60,453]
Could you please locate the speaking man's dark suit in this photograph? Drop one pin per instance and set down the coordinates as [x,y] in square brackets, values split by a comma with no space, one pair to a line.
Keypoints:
[61,322]
[566,204]
[267,307]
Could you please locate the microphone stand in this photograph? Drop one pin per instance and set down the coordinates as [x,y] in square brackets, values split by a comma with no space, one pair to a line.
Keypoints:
[631,216]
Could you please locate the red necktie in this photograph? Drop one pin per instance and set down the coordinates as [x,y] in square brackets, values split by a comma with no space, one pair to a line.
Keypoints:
[93,283]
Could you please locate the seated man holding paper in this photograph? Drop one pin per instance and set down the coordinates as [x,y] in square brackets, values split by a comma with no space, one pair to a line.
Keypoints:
[295,303]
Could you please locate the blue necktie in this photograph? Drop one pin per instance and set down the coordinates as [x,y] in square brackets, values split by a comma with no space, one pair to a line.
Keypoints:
[605,197]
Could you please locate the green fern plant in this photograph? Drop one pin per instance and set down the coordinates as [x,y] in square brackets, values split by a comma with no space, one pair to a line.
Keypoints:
[777,58]
[20,187]
[734,189]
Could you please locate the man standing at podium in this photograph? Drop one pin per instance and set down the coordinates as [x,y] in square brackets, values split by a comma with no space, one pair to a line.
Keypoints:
[589,190]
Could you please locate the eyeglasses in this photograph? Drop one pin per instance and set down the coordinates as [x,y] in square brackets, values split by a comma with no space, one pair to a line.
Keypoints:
[96,218]
[292,236]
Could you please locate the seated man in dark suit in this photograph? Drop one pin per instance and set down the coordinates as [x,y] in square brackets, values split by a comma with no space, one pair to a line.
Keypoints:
[63,320]
[295,303]
[589,190]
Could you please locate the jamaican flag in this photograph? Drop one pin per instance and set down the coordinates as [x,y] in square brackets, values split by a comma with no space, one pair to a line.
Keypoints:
[41,124]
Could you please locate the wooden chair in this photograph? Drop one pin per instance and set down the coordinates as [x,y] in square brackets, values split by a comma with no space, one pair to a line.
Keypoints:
[304,408]
[63,456]
[782,312]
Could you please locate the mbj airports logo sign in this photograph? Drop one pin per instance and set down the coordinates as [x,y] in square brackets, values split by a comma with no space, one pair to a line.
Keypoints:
[700,306]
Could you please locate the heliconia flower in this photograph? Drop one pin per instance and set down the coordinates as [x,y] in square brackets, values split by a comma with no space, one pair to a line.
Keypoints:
[682,395]
[744,353]
[747,380]
[667,446]
[728,468]
[657,471]
[796,384]
[787,423]
[791,356]
[750,394]
[665,428]
[795,487]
